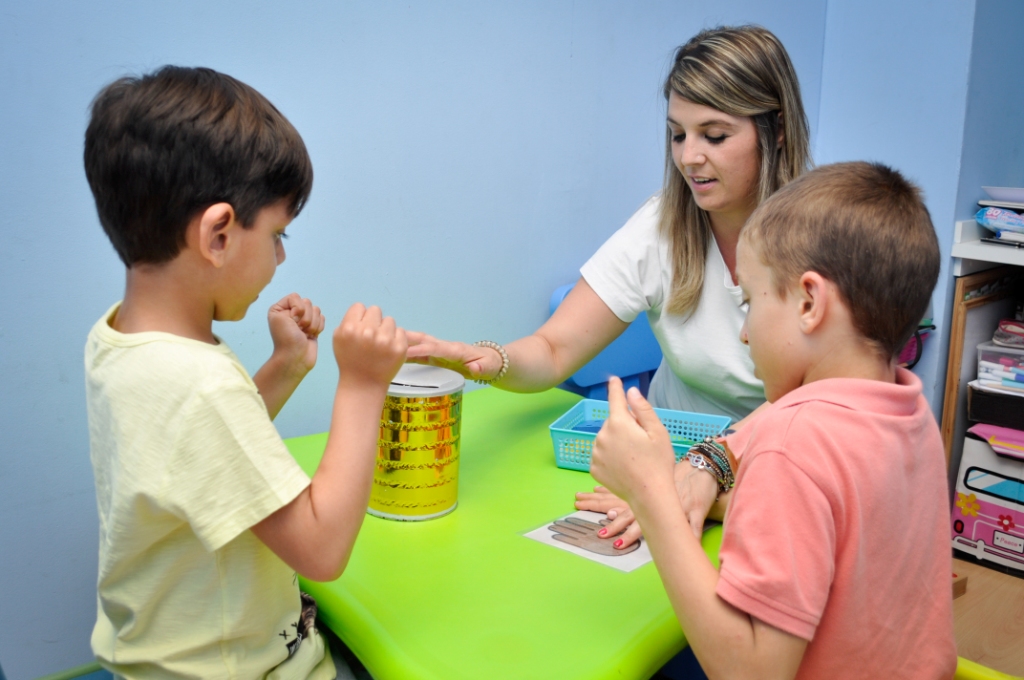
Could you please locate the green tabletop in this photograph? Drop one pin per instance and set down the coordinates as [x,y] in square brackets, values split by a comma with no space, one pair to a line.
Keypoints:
[466,596]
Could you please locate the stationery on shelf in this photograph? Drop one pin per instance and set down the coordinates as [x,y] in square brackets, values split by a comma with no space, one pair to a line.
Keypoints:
[1000,215]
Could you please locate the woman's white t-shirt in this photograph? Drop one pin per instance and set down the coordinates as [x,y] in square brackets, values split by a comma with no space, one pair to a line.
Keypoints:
[705,367]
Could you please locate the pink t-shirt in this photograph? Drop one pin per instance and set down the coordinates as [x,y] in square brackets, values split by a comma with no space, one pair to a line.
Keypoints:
[838,529]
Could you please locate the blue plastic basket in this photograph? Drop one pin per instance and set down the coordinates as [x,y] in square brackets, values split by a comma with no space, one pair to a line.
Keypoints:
[572,447]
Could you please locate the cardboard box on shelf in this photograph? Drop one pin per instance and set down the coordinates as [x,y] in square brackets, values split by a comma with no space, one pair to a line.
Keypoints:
[988,508]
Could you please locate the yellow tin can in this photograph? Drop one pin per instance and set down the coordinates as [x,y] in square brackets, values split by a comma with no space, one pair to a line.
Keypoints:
[417,470]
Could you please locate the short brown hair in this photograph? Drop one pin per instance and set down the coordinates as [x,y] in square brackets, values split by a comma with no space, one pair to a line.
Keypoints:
[163,147]
[865,228]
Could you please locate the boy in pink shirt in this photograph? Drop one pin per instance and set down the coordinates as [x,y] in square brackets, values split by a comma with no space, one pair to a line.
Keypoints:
[835,560]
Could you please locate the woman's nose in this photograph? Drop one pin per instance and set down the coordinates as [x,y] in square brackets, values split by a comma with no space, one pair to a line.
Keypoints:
[689,154]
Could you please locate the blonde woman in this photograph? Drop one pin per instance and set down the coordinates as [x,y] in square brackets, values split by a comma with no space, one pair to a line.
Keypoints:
[736,133]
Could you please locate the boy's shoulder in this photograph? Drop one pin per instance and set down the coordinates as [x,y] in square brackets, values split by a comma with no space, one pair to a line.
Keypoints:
[132,360]
[840,413]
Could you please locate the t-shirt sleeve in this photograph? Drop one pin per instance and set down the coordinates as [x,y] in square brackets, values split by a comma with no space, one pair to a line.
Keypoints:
[230,468]
[777,555]
[626,272]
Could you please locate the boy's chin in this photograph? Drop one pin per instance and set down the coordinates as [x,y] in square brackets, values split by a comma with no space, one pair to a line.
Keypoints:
[774,392]
[236,314]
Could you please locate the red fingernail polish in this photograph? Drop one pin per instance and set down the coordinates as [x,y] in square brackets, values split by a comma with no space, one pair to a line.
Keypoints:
[602,532]
[618,543]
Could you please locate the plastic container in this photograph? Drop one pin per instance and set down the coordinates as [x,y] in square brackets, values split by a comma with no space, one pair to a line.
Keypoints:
[998,362]
[573,434]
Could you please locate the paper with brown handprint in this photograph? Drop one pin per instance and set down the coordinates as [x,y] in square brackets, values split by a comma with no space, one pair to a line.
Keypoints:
[577,533]
[583,534]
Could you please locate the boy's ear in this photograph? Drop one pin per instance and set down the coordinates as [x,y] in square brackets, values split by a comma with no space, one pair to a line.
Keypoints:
[813,297]
[215,232]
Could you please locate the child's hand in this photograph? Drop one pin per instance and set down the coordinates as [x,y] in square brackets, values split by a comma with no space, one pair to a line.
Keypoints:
[472,362]
[633,451]
[295,323]
[369,349]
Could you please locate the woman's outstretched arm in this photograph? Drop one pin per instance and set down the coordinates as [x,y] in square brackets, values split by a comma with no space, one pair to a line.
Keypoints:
[580,328]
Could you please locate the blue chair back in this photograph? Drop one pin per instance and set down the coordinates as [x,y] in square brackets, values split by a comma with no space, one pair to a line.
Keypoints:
[634,356]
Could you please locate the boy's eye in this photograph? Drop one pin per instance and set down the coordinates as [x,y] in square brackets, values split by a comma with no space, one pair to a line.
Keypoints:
[280,236]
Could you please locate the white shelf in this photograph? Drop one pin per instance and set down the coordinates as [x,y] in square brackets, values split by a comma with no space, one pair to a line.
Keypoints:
[971,255]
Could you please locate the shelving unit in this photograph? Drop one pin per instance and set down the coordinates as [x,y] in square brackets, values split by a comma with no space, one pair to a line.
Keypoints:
[972,255]
[988,618]
[975,316]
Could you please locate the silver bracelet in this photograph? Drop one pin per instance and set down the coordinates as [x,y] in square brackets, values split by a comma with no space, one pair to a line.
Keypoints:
[504,360]
[700,462]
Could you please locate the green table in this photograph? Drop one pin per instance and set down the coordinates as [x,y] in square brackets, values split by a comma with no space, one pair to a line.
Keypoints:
[466,596]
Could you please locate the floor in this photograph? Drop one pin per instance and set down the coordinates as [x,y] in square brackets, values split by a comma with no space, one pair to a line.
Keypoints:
[989,618]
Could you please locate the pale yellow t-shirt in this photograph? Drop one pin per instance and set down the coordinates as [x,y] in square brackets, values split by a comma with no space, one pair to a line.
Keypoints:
[186,460]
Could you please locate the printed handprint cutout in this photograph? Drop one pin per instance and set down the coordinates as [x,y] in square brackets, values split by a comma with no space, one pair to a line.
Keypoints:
[583,534]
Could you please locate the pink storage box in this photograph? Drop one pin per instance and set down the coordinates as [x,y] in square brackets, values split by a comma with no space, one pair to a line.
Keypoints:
[988,505]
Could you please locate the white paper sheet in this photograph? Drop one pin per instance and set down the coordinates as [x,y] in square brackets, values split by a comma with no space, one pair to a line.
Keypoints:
[623,561]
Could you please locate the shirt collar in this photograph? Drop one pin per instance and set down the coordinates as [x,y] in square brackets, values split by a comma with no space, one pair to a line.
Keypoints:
[872,396]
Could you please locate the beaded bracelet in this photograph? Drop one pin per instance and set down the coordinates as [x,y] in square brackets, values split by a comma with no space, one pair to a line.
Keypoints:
[504,360]
[717,452]
[711,457]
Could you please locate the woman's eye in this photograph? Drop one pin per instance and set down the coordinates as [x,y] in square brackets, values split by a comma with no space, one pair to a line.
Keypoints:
[716,140]
[678,139]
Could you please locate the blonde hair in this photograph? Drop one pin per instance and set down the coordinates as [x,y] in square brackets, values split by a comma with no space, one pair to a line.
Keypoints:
[741,71]
[863,227]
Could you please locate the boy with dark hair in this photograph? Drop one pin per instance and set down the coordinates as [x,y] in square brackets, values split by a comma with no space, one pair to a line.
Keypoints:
[835,558]
[204,515]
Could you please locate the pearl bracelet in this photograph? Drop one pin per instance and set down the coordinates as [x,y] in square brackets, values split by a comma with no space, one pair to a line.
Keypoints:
[504,360]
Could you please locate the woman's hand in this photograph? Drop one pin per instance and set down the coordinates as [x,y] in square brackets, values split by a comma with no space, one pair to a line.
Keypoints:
[617,510]
[472,362]
[697,493]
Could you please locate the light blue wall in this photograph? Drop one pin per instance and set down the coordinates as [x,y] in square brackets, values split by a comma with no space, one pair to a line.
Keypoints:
[894,89]
[469,157]
[993,153]
[993,140]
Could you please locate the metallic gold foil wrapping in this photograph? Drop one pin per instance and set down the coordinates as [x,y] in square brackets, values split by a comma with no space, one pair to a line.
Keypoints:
[417,471]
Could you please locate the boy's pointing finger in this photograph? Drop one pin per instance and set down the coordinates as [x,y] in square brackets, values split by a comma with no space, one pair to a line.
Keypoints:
[616,398]
[642,410]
